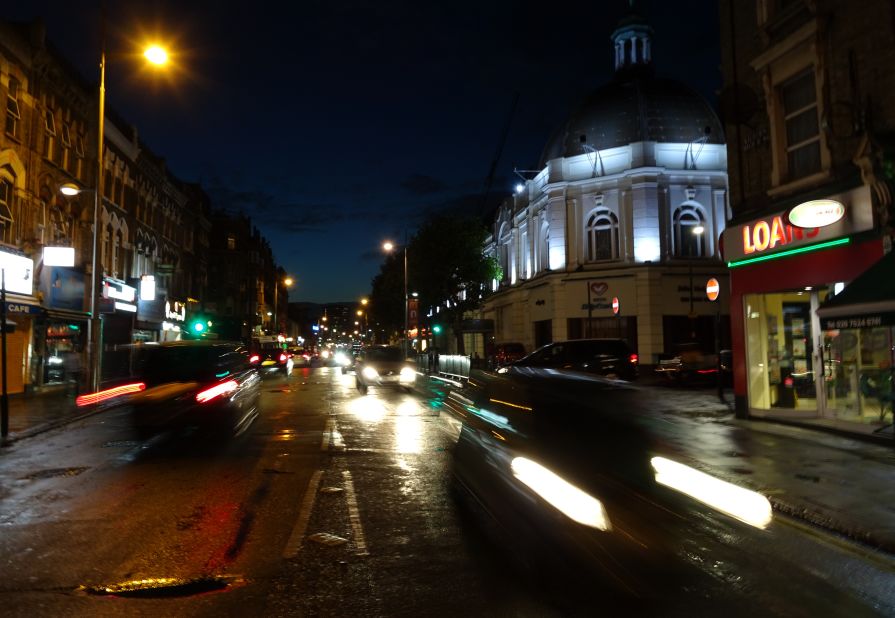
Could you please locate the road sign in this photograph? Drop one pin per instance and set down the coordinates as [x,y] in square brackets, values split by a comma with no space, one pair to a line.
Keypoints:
[615,305]
[712,289]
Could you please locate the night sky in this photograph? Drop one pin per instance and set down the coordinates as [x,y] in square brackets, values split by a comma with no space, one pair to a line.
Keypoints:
[338,124]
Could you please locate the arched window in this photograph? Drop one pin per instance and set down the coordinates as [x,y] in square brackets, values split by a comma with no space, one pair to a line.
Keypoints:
[6,221]
[602,236]
[687,243]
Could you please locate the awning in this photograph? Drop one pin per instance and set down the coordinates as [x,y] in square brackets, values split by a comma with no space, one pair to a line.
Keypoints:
[867,301]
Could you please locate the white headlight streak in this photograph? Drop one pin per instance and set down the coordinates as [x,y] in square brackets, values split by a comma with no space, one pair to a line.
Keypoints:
[370,373]
[568,499]
[738,502]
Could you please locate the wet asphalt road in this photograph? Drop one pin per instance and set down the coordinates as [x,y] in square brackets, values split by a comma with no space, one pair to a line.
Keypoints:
[337,504]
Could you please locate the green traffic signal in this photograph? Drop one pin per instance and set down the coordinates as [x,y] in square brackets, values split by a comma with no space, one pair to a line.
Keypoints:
[198,326]
[436,329]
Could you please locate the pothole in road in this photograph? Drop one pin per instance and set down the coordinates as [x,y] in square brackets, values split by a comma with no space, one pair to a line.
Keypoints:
[164,587]
[52,473]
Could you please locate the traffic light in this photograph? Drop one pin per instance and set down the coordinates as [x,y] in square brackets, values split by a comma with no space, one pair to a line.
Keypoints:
[436,328]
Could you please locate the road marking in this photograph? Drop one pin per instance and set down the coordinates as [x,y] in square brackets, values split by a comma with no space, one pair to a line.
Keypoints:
[354,515]
[304,515]
[332,437]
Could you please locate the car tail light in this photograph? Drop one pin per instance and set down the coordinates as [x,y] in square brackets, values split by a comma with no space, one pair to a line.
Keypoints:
[109,393]
[254,358]
[633,359]
[215,391]
[283,358]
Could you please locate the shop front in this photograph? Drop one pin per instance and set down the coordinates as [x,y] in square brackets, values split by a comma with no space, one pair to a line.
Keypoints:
[21,309]
[119,311]
[783,268]
[62,332]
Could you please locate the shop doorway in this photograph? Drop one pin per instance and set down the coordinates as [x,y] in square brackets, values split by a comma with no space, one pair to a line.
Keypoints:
[780,336]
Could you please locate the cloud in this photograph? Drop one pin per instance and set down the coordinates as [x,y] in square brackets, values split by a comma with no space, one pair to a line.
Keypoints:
[420,184]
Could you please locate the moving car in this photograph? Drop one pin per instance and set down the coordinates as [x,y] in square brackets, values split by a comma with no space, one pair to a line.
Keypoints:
[188,383]
[607,357]
[383,365]
[271,358]
[344,358]
[568,469]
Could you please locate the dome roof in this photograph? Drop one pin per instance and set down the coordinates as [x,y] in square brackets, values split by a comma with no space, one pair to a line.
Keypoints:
[635,107]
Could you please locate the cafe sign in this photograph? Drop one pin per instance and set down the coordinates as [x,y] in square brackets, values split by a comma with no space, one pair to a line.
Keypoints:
[816,214]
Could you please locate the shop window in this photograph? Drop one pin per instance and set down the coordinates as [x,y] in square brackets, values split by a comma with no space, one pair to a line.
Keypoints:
[602,236]
[49,134]
[801,127]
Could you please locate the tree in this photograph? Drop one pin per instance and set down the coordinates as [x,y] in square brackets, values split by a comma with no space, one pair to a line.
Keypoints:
[446,267]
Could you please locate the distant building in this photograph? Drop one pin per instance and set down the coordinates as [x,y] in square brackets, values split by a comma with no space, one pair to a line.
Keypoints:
[610,215]
[811,125]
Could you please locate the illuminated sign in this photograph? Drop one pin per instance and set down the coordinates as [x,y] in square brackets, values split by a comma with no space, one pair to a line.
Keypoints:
[808,226]
[175,311]
[126,307]
[119,291]
[59,256]
[147,287]
[615,305]
[769,234]
[712,289]
[816,214]
[18,272]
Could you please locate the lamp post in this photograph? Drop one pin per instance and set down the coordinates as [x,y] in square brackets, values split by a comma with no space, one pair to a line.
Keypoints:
[155,55]
[697,232]
[389,247]
[288,281]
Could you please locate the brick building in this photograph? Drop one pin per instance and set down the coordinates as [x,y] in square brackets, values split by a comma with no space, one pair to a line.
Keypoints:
[810,118]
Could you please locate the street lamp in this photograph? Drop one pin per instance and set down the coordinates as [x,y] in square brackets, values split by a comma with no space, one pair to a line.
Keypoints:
[287,281]
[697,233]
[389,247]
[156,55]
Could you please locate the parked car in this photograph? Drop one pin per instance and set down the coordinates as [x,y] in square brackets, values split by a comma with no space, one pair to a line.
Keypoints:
[383,365]
[506,353]
[607,357]
[183,383]
[690,366]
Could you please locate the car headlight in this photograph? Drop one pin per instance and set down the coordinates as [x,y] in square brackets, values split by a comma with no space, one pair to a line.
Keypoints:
[738,502]
[565,497]
[370,373]
[407,374]
[341,358]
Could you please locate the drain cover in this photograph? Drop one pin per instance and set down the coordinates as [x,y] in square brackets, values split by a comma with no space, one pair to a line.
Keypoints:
[52,473]
[163,587]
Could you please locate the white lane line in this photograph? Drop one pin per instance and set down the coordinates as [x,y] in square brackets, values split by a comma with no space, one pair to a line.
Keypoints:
[354,516]
[327,435]
[332,437]
[304,515]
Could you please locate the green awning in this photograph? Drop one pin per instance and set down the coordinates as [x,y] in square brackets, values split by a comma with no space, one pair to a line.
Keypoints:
[867,301]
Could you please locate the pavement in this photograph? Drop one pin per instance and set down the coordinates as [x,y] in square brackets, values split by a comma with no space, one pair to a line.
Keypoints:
[835,482]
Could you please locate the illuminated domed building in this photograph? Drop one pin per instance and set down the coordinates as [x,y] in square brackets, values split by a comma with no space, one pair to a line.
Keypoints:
[610,214]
